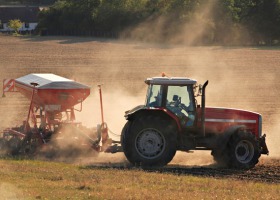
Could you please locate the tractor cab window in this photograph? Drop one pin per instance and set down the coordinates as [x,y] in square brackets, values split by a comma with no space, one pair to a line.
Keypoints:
[154,96]
[180,102]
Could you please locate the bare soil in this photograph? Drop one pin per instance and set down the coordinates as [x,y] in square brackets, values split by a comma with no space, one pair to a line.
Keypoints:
[239,77]
[266,171]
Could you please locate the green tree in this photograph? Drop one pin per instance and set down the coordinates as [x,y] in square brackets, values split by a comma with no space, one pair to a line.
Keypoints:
[264,20]
[117,15]
[217,21]
[15,24]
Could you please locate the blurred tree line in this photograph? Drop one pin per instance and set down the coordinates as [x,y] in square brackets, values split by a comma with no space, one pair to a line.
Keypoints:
[29,2]
[38,2]
[202,21]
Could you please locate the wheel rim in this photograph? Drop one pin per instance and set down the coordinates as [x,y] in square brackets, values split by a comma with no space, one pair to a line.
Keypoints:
[150,143]
[244,151]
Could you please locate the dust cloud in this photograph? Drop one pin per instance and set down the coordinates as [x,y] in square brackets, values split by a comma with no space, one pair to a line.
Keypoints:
[272,140]
[193,158]
[115,103]
[70,146]
[14,110]
[200,28]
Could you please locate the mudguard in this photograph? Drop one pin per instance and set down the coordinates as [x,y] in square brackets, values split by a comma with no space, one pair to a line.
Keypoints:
[143,110]
[133,111]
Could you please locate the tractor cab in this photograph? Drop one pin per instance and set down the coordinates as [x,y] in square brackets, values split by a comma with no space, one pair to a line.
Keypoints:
[175,95]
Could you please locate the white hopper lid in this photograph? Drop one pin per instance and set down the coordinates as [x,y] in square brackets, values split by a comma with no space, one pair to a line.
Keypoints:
[50,81]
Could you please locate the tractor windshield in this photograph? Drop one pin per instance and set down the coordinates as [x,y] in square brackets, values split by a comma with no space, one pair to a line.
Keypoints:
[154,96]
[177,99]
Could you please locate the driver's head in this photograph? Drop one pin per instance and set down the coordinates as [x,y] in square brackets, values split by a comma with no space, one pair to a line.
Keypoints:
[175,97]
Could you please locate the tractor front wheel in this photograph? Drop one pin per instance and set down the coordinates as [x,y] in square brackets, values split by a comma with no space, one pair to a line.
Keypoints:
[244,150]
[149,141]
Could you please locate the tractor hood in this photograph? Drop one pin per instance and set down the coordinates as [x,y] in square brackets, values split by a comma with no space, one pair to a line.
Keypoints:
[219,119]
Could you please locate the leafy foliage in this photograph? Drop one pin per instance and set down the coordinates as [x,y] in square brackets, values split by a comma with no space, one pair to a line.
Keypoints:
[15,24]
[216,21]
[48,2]
[27,2]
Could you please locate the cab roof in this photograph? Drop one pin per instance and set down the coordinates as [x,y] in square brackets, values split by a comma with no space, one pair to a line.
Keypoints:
[170,81]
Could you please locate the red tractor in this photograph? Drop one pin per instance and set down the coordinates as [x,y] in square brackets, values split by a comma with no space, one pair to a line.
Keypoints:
[172,120]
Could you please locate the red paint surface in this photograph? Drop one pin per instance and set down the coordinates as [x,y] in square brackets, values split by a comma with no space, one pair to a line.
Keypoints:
[67,98]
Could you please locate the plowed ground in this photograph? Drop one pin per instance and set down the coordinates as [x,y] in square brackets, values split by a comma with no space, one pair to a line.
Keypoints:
[239,77]
[268,172]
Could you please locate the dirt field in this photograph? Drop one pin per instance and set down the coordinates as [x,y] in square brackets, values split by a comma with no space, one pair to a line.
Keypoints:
[239,77]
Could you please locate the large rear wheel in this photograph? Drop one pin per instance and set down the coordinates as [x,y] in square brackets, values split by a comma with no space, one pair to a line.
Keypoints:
[149,141]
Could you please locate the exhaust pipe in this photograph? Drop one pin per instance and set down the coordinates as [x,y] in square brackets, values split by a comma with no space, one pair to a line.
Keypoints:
[203,109]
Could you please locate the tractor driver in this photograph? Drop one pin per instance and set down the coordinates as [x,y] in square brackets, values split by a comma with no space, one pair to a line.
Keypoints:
[181,110]
[155,103]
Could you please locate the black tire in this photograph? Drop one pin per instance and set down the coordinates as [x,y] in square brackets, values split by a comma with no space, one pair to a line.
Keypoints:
[149,141]
[244,150]
[3,145]
[14,145]
[123,135]
[29,145]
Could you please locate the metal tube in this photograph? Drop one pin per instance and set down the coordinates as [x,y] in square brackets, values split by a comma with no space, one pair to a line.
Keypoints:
[101,104]
[30,107]
[203,109]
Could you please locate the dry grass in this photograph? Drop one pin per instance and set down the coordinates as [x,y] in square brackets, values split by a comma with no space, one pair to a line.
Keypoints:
[27,179]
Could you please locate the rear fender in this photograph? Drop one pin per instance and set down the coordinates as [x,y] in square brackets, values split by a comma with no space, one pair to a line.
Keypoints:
[134,111]
[158,111]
